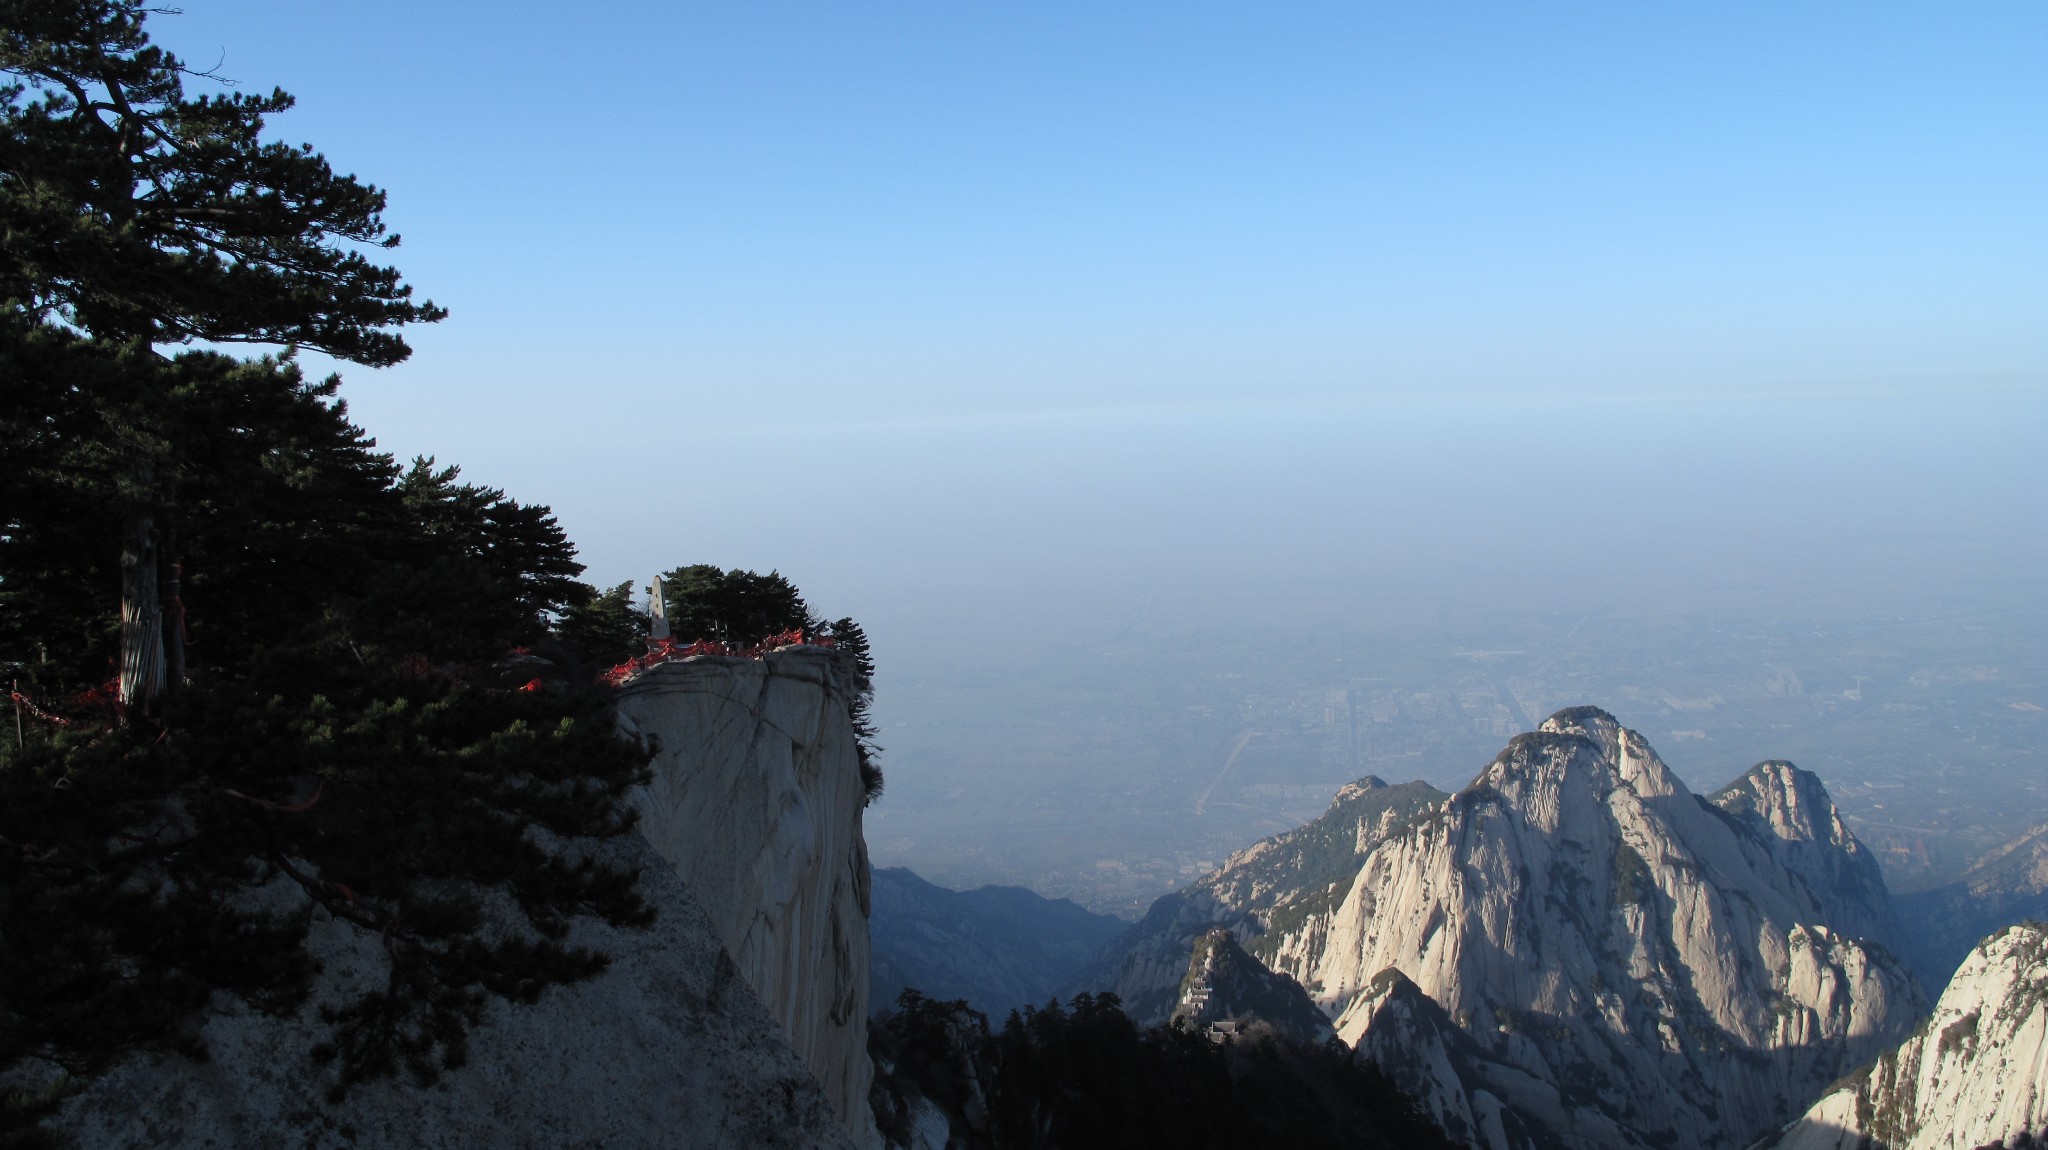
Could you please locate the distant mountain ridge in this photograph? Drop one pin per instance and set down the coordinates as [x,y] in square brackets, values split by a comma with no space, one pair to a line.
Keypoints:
[2007,886]
[997,947]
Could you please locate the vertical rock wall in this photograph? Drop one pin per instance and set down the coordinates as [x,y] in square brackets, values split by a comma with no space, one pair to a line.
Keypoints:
[756,800]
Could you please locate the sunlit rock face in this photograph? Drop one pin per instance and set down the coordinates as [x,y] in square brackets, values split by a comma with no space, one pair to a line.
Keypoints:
[668,1047]
[756,800]
[1791,812]
[1275,896]
[1639,965]
[1976,1074]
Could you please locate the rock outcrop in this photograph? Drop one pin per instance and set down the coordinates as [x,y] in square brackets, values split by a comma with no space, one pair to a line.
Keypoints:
[1275,896]
[1680,972]
[1789,810]
[668,1047]
[756,800]
[1226,990]
[1975,1074]
[998,947]
[1475,1098]
[2008,885]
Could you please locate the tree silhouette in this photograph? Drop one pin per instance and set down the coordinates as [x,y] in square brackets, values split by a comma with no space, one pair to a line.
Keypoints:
[142,217]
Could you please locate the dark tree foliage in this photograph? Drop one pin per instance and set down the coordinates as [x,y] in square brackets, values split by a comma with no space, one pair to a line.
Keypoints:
[852,642]
[136,213]
[142,217]
[1086,1076]
[346,746]
[735,607]
[602,628]
[935,1050]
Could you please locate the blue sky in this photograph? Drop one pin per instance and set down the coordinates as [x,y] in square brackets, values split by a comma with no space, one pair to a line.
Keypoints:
[926,302]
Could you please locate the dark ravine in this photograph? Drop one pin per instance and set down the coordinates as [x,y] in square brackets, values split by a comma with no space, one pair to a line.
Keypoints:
[1082,1075]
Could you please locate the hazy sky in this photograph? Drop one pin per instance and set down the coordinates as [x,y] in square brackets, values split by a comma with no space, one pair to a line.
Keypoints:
[967,312]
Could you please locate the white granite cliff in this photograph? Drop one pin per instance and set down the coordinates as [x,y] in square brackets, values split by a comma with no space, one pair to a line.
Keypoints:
[1975,1074]
[1635,965]
[756,801]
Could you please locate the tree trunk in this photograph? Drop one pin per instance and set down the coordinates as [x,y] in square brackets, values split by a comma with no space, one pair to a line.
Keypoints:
[174,621]
[142,624]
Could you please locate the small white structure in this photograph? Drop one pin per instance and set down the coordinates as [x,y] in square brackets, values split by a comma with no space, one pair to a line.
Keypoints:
[657,610]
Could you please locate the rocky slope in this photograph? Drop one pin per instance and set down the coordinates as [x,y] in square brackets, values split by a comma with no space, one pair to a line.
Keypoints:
[669,1047]
[1941,926]
[737,1020]
[997,948]
[756,801]
[1677,973]
[1275,896]
[1975,1074]
[1224,984]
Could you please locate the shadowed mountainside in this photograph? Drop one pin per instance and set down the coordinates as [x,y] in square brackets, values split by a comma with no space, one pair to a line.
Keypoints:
[997,948]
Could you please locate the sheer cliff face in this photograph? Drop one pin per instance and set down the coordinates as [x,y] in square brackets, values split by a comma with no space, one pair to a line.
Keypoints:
[1975,1074]
[756,800]
[1648,965]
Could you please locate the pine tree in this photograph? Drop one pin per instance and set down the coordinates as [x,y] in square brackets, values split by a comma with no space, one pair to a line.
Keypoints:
[357,726]
[852,642]
[736,607]
[348,732]
[143,217]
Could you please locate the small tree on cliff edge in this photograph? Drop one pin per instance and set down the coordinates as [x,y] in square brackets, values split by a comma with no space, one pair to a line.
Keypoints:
[852,642]
[143,217]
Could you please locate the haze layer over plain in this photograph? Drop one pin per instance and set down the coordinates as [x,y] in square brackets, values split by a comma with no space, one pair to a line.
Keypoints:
[1123,370]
